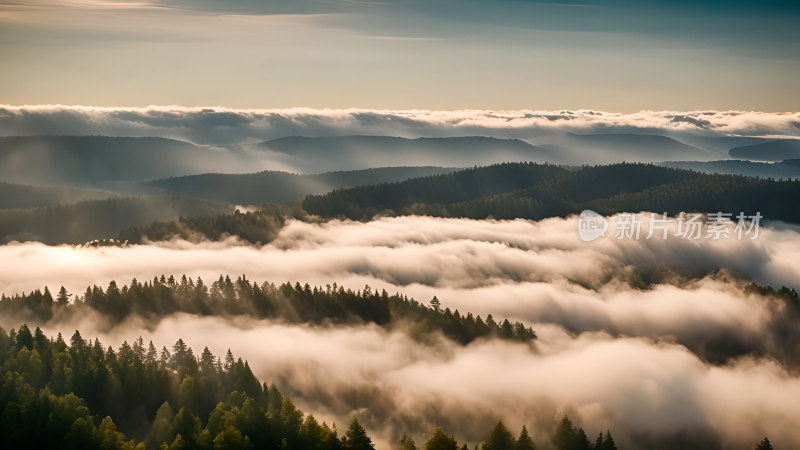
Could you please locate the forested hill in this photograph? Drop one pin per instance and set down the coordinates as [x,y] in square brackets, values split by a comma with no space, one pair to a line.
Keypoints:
[286,303]
[461,186]
[533,191]
[26,196]
[316,154]
[79,394]
[98,219]
[279,187]
[96,160]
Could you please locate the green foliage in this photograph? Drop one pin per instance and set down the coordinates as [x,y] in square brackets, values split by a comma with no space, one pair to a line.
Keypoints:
[401,198]
[500,439]
[258,227]
[406,443]
[524,441]
[356,437]
[605,442]
[131,387]
[122,399]
[290,303]
[569,437]
[441,441]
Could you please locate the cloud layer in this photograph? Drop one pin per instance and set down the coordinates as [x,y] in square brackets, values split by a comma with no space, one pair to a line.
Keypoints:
[655,340]
[217,125]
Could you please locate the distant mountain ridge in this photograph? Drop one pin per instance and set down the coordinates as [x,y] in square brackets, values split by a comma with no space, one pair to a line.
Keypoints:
[280,187]
[789,168]
[95,160]
[333,153]
[777,150]
[531,191]
[579,149]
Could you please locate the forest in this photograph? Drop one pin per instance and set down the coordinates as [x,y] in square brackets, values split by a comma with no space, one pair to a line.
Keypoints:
[501,191]
[288,303]
[82,395]
[530,191]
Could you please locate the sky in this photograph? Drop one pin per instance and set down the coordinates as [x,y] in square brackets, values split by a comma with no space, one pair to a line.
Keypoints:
[618,55]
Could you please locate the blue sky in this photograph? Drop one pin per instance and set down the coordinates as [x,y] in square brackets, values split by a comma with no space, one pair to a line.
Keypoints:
[429,54]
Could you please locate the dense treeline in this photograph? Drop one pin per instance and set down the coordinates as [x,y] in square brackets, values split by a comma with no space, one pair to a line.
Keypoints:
[282,187]
[79,394]
[289,303]
[256,227]
[548,191]
[59,395]
[461,186]
[501,191]
[82,395]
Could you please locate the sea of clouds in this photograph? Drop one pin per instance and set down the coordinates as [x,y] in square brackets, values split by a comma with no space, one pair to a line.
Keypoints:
[653,339]
[219,126]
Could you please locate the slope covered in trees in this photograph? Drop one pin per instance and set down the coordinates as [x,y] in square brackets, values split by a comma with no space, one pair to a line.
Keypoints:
[255,227]
[281,187]
[85,221]
[784,169]
[316,154]
[560,192]
[461,186]
[777,150]
[26,196]
[82,395]
[78,394]
[291,304]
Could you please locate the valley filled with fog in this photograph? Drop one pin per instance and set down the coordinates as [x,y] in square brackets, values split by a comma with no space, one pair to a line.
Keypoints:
[384,274]
[647,338]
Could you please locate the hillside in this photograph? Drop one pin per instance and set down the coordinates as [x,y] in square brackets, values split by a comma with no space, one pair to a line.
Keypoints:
[465,185]
[26,196]
[95,160]
[281,187]
[581,149]
[318,154]
[98,219]
[784,170]
[777,150]
[606,189]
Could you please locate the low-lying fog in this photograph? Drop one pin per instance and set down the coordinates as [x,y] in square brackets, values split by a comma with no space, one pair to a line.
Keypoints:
[625,327]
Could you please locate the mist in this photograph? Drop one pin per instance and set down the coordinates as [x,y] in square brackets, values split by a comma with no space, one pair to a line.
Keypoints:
[648,338]
[645,391]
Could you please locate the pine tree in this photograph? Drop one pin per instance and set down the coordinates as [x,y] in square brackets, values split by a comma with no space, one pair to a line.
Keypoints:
[500,438]
[356,437]
[608,442]
[406,443]
[765,444]
[63,297]
[441,441]
[524,441]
